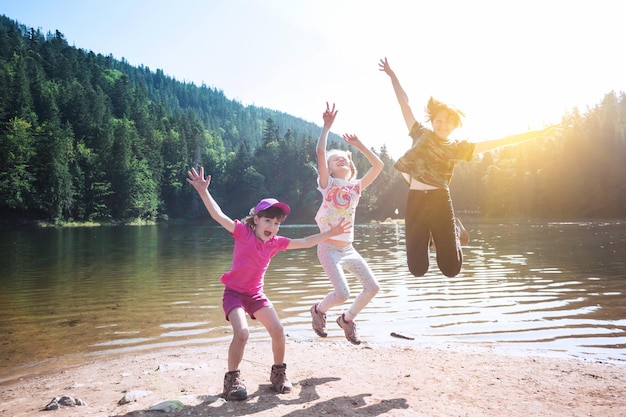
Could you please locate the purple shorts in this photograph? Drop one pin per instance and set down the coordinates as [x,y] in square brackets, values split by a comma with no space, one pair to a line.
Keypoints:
[249,302]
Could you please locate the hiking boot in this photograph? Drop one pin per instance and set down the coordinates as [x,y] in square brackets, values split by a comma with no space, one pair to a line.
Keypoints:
[319,321]
[234,389]
[349,328]
[279,380]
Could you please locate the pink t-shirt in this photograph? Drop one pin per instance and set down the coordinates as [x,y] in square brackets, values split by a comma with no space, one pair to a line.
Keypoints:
[251,257]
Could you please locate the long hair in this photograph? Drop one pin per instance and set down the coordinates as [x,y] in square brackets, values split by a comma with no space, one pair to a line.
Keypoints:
[353,171]
[435,106]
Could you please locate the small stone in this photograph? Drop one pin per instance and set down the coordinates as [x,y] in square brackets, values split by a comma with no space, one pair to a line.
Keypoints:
[64,401]
[167,406]
[53,405]
[132,396]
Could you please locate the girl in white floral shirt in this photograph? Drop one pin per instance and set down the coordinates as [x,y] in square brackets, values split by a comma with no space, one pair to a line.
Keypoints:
[341,190]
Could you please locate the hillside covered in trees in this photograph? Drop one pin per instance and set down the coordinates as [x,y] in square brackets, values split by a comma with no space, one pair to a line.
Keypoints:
[86,137]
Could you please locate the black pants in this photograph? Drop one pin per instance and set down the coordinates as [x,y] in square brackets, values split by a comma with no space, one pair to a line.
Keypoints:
[431,213]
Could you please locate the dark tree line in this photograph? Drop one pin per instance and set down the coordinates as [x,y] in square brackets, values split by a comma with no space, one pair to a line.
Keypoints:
[86,137]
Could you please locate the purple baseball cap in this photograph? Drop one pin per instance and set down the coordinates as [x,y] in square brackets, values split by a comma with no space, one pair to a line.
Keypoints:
[271,202]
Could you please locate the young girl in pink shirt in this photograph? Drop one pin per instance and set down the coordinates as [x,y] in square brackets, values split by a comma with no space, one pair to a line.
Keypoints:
[256,242]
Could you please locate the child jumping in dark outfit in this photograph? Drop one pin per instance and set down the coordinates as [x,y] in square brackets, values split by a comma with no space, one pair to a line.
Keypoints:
[428,168]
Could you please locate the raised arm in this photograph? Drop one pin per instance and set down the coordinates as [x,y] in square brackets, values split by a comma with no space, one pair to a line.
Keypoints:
[374,160]
[322,163]
[403,99]
[490,145]
[312,240]
[202,187]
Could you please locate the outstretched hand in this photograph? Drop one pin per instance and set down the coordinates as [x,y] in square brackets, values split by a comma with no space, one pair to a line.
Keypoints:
[384,66]
[352,140]
[340,228]
[329,115]
[197,180]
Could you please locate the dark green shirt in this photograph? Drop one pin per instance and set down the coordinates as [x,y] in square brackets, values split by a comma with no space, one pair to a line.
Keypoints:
[431,159]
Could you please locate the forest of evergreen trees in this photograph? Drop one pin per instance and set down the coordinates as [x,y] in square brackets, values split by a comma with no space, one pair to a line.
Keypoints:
[86,137]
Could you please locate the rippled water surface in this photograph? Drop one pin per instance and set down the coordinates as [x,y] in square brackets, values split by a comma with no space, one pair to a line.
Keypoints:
[543,288]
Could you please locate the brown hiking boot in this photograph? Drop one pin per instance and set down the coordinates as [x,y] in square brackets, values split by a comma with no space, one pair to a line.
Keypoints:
[234,389]
[319,321]
[279,380]
[349,328]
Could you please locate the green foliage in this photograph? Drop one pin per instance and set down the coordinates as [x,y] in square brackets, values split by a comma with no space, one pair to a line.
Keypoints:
[17,149]
[87,137]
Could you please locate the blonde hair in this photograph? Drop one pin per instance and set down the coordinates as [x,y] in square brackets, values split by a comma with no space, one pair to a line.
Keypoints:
[334,152]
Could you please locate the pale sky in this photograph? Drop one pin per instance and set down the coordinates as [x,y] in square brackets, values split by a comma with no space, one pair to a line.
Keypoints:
[509,65]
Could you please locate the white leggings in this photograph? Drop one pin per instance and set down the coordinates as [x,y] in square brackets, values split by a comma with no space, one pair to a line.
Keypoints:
[334,260]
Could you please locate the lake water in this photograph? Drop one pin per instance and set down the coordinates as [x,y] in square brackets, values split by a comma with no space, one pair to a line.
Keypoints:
[541,288]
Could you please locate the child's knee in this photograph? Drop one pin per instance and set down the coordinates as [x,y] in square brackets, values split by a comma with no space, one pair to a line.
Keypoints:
[451,272]
[371,286]
[342,295]
[451,266]
[241,335]
[418,262]
[276,332]
[416,268]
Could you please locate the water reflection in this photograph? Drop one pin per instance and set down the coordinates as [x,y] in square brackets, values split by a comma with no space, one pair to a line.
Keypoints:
[548,287]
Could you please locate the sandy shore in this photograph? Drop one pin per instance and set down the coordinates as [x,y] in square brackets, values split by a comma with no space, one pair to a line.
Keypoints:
[331,378]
